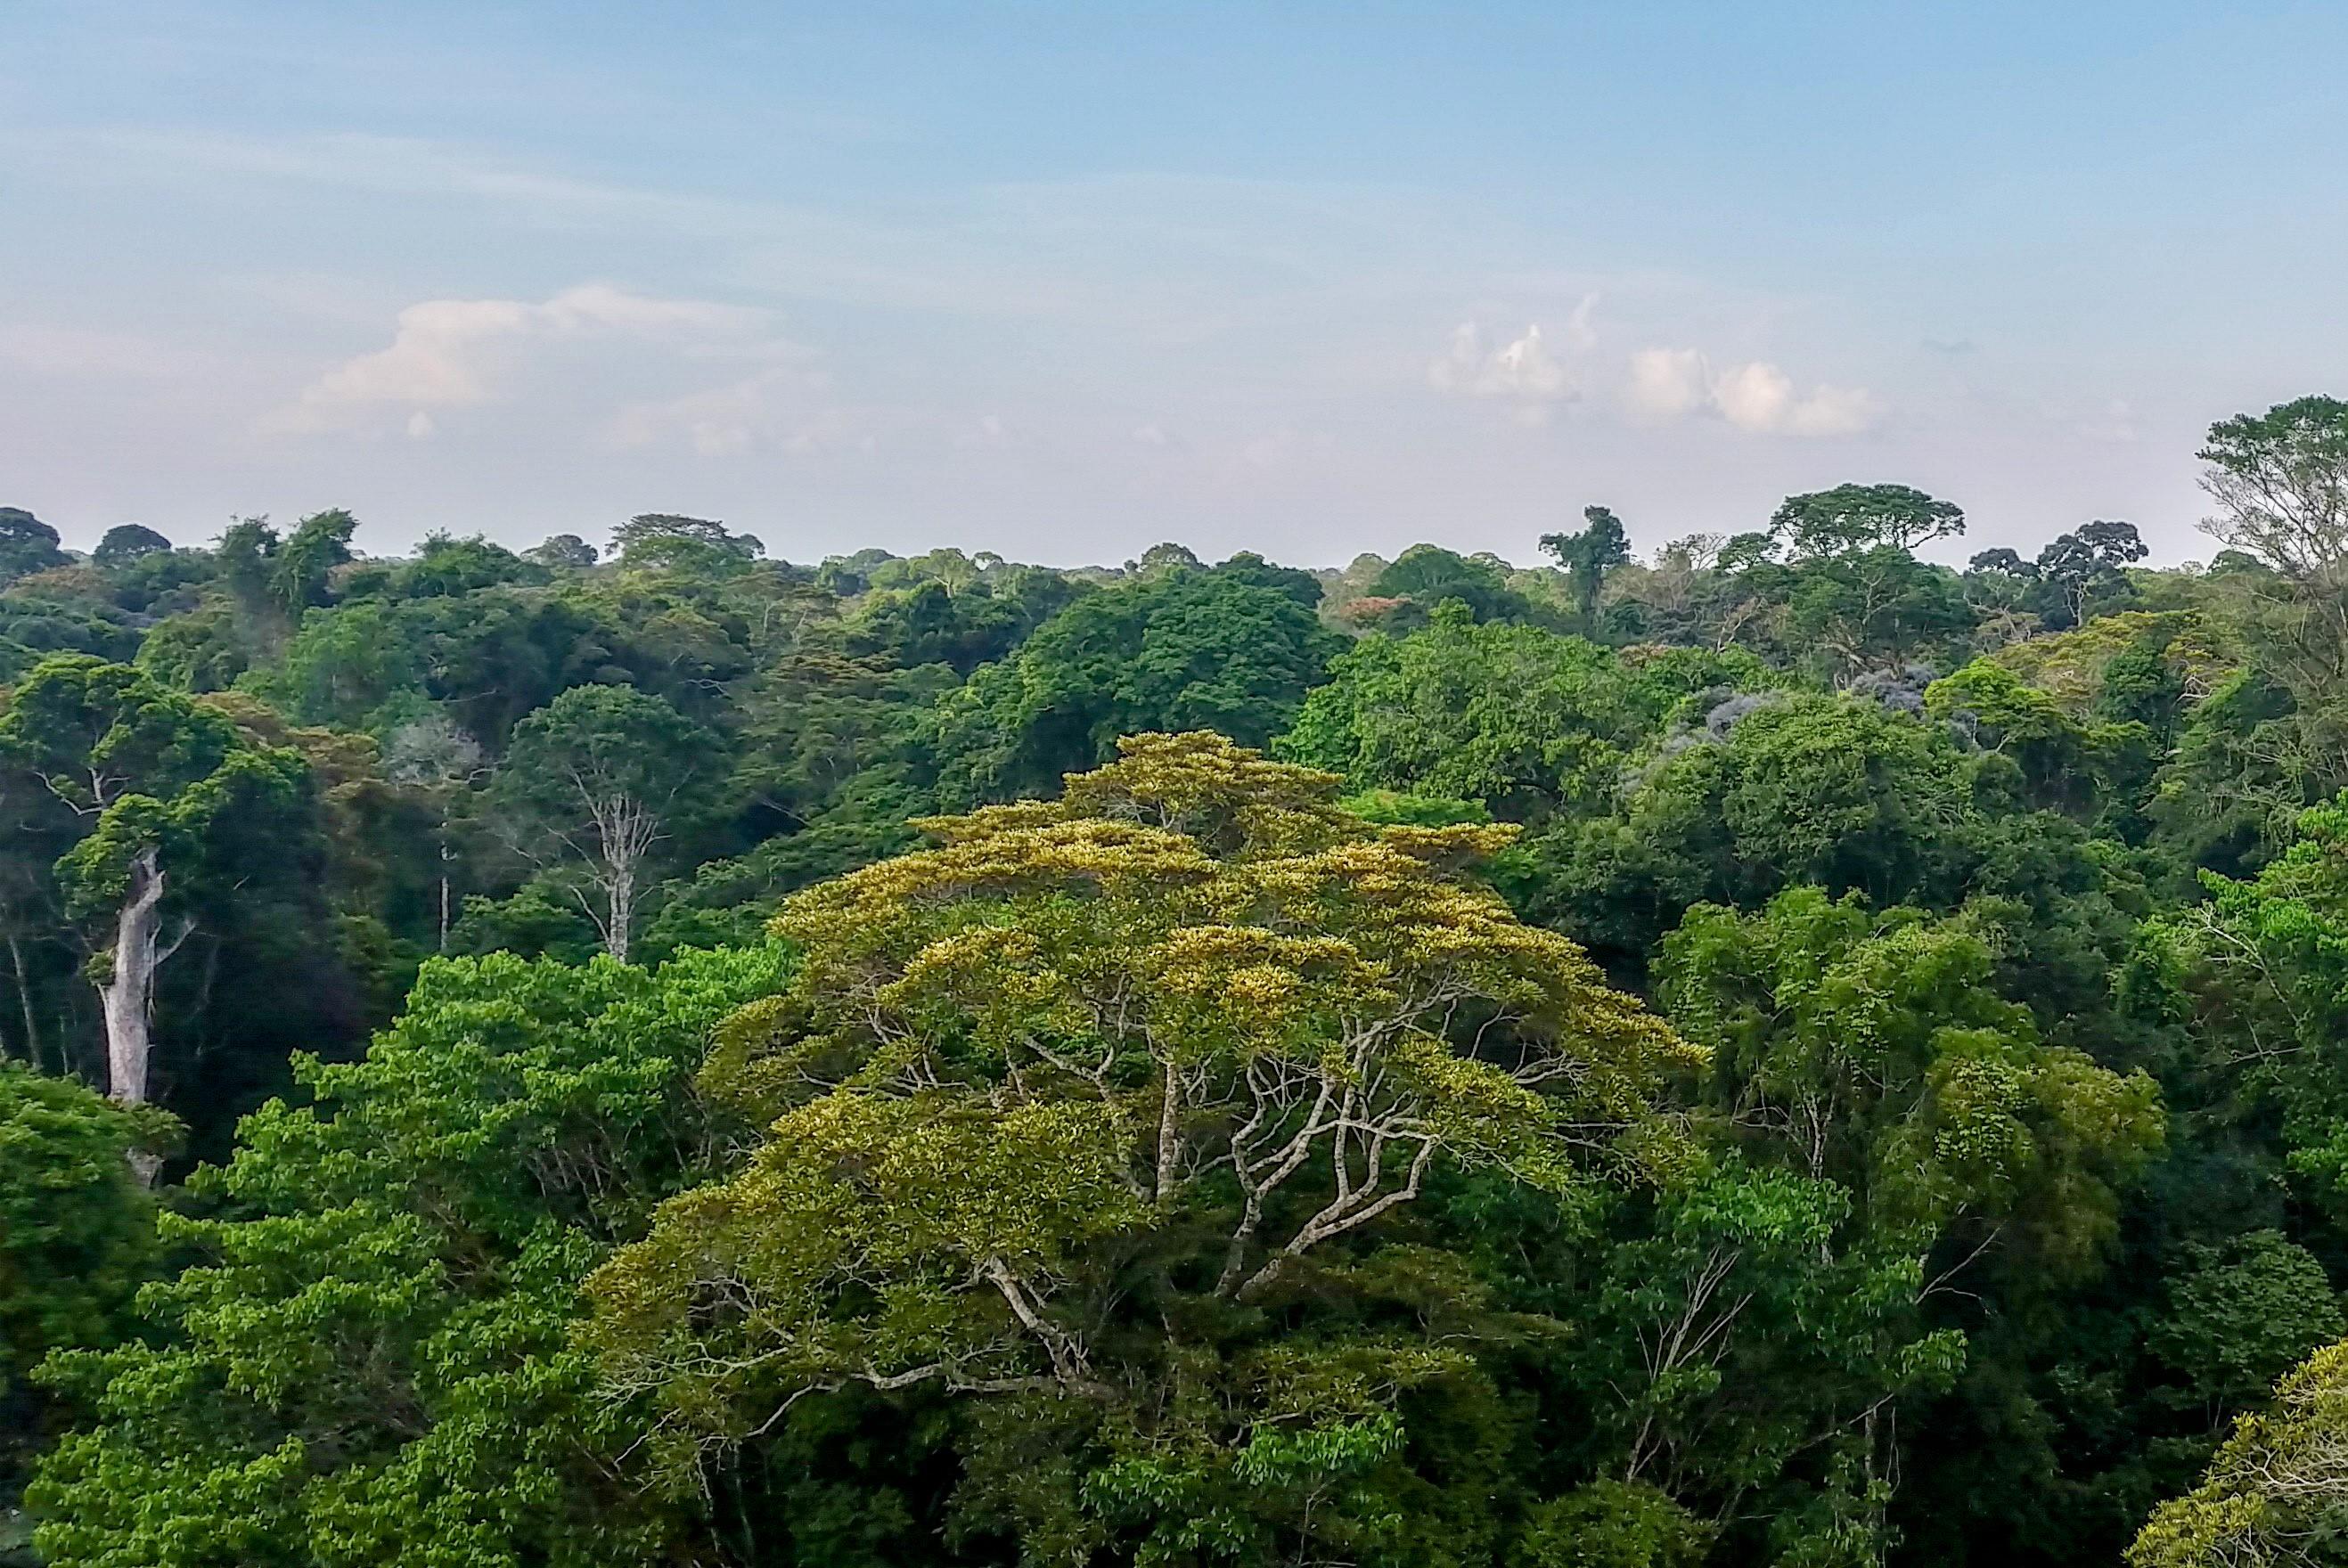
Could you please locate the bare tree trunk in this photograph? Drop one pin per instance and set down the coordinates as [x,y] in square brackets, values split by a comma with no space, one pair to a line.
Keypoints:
[445,856]
[128,997]
[621,884]
[25,1002]
[625,831]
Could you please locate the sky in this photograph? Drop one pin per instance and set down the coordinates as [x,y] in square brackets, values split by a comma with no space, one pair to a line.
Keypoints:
[1065,281]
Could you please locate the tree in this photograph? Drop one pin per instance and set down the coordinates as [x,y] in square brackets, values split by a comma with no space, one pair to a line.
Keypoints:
[567,551]
[28,545]
[605,773]
[2004,562]
[201,650]
[1857,518]
[1742,1350]
[2264,963]
[2086,562]
[77,1238]
[2242,1314]
[2271,1498]
[303,564]
[1871,1052]
[1159,557]
[150,777]
[1523,719]
[364,1357]
[1427,574]
[430,754]
[1587,556]
[127,542]
[1233,649]
[664,539]
[444,567]
[1865,610]
[1096,1118]
[1873,1049]
[2280,480]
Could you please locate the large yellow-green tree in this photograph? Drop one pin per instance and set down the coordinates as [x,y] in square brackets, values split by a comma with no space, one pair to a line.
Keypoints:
[1109,1117]
[2277,1492]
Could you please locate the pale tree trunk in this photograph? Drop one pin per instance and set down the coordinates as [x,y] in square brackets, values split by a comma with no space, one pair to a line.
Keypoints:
[620,883]
[25,1003]
[625,831]
[128,997]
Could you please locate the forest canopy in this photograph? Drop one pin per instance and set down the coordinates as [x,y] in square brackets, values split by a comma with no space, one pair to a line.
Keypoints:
[1777,1050]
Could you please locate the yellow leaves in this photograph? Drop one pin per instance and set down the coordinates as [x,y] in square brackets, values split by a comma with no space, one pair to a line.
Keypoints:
[1039,1034]
[742,1069]
[993,819]
[2278,1474]
[851,1245]
[1000,860]
[1456,843]
[935,1174]
[1198,780]
[1194,959]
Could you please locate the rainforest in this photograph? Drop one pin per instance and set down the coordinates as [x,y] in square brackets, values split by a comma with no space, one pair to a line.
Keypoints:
[636,1050]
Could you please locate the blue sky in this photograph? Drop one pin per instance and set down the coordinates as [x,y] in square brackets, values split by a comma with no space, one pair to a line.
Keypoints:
[1064,280]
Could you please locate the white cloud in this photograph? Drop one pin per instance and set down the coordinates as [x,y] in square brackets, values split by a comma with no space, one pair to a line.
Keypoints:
[1667,382]
[1670,383]
[1524,372]
[457,354]
[1580,336]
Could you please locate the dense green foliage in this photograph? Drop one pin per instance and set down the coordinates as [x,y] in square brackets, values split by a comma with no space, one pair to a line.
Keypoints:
[1780,1051]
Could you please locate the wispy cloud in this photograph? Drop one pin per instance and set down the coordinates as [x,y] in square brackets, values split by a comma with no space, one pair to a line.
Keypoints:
[1758,396]
[462,353]
[1524,372]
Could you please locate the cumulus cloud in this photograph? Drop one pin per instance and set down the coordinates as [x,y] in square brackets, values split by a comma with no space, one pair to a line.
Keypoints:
[458,353]
[1524,372]
[1671,383]
[1667,382]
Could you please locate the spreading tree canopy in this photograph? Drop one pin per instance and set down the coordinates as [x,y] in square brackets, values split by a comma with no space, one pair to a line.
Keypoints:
[1087,1113]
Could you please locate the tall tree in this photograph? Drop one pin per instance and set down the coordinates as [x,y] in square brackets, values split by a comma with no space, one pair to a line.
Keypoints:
[77,1240]
[1427,575]
[1587,556]
[1853,517]
[28,545]
[367,1355]
[2088,561]
[127,542]
[1526,721]
[1110,1119]
[605,773]
[306,562]
[2280,481]
[1233,649]
[148,775]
